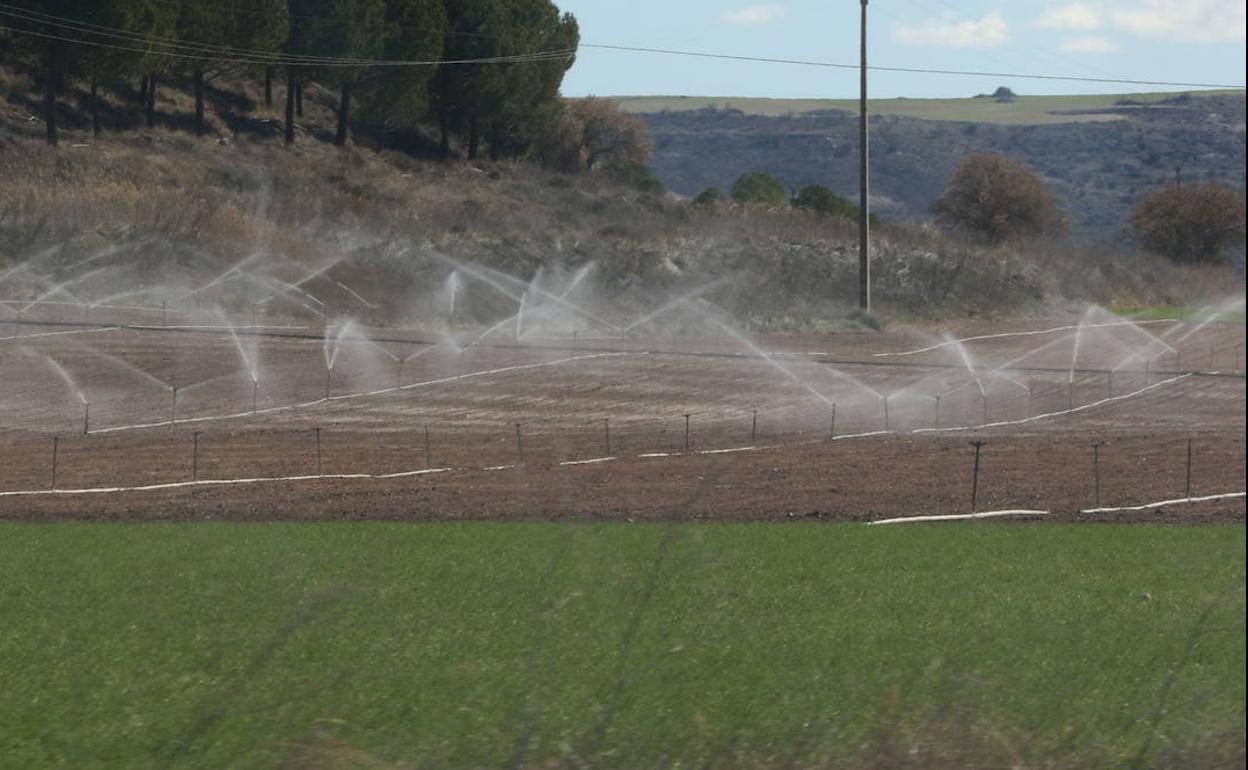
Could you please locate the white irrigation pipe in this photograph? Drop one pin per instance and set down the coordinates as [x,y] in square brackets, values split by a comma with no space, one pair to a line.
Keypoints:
[348,396]
[1163,503]
[959,516]
[977,338]
[218,483]
[56,334]
[598,460]
[1046,415]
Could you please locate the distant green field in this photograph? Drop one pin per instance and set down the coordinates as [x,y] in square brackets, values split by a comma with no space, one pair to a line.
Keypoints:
[620,646]
[1023,111]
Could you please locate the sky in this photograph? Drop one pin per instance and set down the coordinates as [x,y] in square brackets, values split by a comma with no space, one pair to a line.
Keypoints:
[1199,41]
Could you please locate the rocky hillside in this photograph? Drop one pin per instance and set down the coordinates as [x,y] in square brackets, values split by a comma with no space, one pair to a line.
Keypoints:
[1097,163]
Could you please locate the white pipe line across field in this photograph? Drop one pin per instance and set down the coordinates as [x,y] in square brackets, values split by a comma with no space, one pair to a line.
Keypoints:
[951,343]
[591,461]
[1059,413]
[57,334]
[1163,503]
[959,516]
[362,394]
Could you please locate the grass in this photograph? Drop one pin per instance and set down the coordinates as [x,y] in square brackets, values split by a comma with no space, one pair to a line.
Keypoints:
[1024,110]
[530,645]
[1179,312]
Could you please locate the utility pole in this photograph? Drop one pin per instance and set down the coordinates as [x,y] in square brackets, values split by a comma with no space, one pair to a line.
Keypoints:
[864,221]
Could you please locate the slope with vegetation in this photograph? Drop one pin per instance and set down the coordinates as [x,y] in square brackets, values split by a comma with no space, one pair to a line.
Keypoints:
[1096,169]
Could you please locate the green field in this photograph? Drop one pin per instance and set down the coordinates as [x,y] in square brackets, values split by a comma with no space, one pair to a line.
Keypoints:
[658,646]
[1025,110]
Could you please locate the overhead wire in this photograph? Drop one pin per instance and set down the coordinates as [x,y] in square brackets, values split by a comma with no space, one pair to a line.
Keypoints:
[188,51]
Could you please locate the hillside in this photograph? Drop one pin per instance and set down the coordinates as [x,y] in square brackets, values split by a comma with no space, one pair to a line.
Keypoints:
[1098,153]
[150,213]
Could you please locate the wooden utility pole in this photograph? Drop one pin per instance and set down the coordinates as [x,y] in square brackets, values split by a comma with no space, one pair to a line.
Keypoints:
[864,220]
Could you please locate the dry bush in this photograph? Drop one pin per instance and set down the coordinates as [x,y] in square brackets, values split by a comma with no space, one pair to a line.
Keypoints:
[998,198]
[1189,223]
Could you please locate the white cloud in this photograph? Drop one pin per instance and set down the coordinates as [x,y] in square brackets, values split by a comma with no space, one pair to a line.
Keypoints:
[752,16]
[988,32]
[1088,44]
[1076,15]
[1191,20]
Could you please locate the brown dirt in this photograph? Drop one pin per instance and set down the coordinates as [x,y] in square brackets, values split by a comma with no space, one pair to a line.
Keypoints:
[561,404]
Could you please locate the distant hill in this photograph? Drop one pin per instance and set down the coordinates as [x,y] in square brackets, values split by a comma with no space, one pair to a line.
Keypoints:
[1098,152]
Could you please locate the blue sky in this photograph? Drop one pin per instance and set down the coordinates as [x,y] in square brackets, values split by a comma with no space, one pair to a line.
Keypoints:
[1175,40]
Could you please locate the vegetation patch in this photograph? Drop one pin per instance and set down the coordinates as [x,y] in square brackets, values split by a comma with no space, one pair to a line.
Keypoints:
[531,645]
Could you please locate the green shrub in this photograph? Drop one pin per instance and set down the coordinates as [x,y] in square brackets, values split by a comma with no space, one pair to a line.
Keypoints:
[711,196]
[757,187]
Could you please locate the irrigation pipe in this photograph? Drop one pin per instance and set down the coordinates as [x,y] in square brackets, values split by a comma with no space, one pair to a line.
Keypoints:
[1163,503]
[218,483]
[57,334]
[1046,415]
[348,396]
[959,516]
[950,343]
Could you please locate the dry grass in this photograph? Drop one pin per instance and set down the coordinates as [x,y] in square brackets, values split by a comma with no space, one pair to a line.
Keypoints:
[188,204]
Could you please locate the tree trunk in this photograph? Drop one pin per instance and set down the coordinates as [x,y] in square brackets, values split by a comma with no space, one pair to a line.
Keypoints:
[474,136]
[290,107]
[344,114]
[49,94]
[444,129]
[95,107]
[198,79]
[496,141]
[151,101]
[143,90]
[268,87]
[381,130]
[299,99]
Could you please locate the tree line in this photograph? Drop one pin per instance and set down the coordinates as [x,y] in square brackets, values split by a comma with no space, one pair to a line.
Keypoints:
[486,72]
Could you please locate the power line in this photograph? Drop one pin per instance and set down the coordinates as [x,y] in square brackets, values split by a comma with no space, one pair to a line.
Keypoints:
[913,70]
[189,51]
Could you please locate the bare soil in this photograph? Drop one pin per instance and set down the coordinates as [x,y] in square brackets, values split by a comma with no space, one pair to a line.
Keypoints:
[507,420]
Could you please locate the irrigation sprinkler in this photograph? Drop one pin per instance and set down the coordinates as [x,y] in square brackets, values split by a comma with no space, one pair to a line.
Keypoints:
[573,341]
[936,421]
[255,395]
[86,312]
[606,431]
[984,396]
[1109,385]
[253,315]
[1178,361]
[686,433]
[1070,394]
[978,444]
[1210,358]
[56,443]
[1188,485]
[398,377]
[86,418]
[886,413]
[754,426]
[164,313]
[519,444]
[329,372]
[195,456]
[318,452]
[1096,469]
[428,450]
[1030,411]
[832,423]
[173,405]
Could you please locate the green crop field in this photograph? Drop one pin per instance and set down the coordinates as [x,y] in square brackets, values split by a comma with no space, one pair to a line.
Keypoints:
[660,646]
[1024,110]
